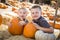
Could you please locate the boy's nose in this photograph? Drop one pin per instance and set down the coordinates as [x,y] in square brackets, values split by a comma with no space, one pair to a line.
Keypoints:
[35,13]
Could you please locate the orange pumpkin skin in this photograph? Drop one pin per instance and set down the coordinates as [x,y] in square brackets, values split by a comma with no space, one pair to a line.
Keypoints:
[51,17]
[58,19]
[13,9]
[57,26]
[29,30]
[15,29]
[0,19]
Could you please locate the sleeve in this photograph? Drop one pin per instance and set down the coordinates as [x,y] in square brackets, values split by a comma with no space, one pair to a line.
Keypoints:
[44,23]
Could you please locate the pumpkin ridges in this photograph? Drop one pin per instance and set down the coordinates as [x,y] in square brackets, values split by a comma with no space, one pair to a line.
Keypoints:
[0,19]
[15,29]
[29,30]
[57,26]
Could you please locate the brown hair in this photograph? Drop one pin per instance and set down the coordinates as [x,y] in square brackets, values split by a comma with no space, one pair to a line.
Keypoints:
[36,6]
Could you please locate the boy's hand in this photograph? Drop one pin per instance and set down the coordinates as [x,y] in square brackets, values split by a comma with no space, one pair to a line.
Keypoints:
[36,25]
[22,23]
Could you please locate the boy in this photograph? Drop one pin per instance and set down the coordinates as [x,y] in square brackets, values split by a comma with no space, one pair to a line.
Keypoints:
[22,13]
[41,24]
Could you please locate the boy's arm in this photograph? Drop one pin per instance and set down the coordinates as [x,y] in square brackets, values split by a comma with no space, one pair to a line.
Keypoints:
[45,26]
[48,30]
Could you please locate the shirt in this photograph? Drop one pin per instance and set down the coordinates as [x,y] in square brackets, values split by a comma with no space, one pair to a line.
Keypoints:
[42,22]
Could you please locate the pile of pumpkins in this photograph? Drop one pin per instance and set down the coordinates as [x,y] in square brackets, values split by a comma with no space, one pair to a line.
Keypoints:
[28,30]
[51,17]
[57,25]
[3,6]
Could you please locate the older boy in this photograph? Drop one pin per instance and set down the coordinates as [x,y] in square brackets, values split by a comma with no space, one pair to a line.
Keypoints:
[45,31]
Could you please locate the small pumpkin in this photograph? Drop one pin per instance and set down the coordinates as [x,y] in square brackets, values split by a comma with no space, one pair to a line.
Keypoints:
[15,29]
[0,19]
[51,17]
[29,30]
[13,9]
[57,26]
[40,35]
[58,19]
[3,6]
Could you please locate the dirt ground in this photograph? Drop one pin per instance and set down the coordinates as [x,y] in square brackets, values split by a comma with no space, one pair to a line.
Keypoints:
[5,35]
[19,38]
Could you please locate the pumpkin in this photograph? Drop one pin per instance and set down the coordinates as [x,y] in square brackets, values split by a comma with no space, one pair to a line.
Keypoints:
[3,6]
[29,30]
[15,29]
[58,19]
[57,26]
[51,17]
[13,9]
[40,35]
[0,19]
[16,11]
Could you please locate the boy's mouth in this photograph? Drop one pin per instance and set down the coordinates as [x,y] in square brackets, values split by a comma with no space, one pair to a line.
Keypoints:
[35,16]
[22,16]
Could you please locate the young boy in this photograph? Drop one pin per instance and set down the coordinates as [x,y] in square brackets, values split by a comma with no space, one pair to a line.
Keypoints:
[22,13]
[45,31]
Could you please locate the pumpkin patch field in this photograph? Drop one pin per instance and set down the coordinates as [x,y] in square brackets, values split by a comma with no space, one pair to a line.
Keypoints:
[9,21]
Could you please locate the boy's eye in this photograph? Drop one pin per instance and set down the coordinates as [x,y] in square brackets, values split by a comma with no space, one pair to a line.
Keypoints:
[36,12]
[32,13]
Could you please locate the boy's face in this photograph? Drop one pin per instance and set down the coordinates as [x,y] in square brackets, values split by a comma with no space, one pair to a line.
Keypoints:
[35,13]
[22,13]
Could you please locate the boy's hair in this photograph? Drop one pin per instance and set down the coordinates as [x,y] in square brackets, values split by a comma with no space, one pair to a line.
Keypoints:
[22,8]
[36,6]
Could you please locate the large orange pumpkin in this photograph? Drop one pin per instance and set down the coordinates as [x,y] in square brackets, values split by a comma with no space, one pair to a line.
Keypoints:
[0,19]
[57,26]
[15,29]
[29,30]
